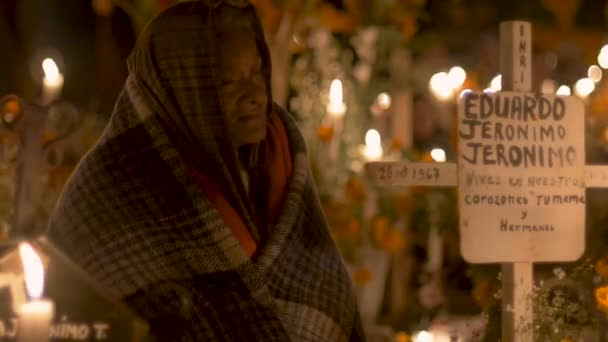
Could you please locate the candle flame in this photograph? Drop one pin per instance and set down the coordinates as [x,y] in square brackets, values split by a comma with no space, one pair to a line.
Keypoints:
[373,145]
[584,87]
[336,105]
[335,91]
[441,86]
[384,101]
[496,83]
[51,71]
[32,269]
[424,336]
[563,90]
[438,155]
[602,58]
[456,76]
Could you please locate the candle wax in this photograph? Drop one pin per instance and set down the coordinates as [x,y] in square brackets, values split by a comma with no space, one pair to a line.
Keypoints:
[35,321]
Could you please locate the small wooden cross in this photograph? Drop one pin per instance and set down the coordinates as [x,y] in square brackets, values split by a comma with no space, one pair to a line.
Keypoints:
[521,178]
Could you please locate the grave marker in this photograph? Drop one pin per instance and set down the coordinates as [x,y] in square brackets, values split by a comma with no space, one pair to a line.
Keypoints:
[521,178]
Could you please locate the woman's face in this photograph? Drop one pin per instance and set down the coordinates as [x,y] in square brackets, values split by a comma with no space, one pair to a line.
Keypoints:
[242,88]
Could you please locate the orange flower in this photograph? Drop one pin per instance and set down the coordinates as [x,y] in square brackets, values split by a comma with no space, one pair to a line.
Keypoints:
[325,133]
[337,20]
[402,202]
[362,276]
[380,226]
[394,241]
[402,337]
[11,109]
[601,267]
[396,145]
[483,293]
[47,137]
[353,229]
[355,190]
[427,158]
[420,190]
[409,26]
[11,106]
[601,297]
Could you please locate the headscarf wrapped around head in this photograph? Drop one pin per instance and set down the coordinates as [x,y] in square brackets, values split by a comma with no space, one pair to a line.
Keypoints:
[133,217]
[175,65]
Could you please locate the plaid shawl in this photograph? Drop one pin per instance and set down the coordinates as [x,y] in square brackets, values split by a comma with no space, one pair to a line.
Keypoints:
[134,219]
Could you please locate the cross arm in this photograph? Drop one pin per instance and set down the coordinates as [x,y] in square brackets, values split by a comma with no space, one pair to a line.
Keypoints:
[446,174]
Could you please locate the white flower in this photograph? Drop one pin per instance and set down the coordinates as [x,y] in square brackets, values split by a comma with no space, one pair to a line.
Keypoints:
[559,273]
[362,72]
[321,39]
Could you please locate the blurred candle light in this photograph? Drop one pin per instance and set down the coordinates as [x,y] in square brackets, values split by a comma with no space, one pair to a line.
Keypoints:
[563,90]
[336,106]
[602,58]
[584,87]
[424,336]
[36,315]
[457,76]
[438,155]
[335,116]
[373,145]
[496,83]
[384,101]
[441,86]
[594,73]
[52,83]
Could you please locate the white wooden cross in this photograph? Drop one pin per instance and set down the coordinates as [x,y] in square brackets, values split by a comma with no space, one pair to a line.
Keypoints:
[521,178]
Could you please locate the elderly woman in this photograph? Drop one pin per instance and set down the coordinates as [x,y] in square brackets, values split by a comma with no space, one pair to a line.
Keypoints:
[196,207]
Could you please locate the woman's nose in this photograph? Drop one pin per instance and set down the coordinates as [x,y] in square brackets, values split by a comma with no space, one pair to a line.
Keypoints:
[254,94]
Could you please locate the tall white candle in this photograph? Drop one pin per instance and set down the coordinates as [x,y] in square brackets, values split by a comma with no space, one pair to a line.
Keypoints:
[435,241]
[35,316]
[336,107]
[52,83]
[335,114]
[35,321]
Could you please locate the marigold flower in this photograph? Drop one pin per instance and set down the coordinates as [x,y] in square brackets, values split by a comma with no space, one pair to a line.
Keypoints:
[394,241]
[483,293]
[601,297]
[402,337]
[362,276]
[427,158]
[355,190]
[395,145]
[601,267]
[402,202]
[380,226]
[325,133]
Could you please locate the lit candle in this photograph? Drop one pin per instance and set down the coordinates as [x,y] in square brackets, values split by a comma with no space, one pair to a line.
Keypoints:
[52,83]
[36,315]
[373,145]
[371,151]
[435,241]
[336,107]
[335,113]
